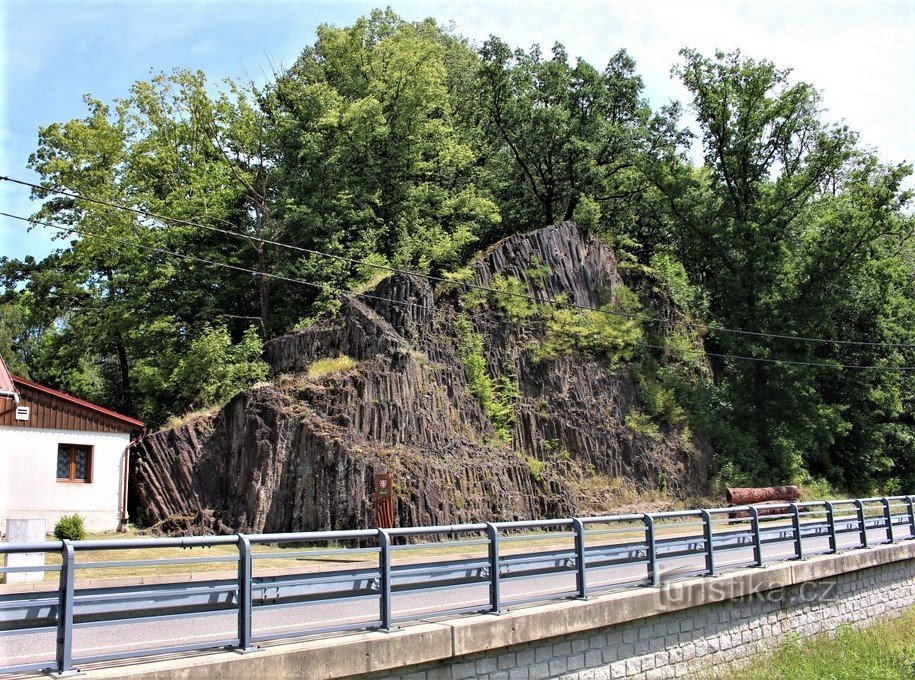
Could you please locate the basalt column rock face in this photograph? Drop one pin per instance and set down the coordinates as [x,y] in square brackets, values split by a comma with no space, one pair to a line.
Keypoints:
[383,386]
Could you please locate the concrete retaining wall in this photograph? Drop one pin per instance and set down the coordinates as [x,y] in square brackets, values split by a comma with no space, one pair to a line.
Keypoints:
[699,639]
[663,632]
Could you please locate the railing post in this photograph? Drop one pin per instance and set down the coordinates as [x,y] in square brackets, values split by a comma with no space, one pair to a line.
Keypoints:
[245,576]
[495,597]
[862,528]
[709,546]
[911,504]
[796,524]
[651,551]
[384,579]
[888,518]
[64,655]
[831,523]
[580,566]
[757,540]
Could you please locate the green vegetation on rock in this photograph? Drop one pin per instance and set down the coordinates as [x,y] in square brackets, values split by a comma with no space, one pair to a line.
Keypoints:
[497,396]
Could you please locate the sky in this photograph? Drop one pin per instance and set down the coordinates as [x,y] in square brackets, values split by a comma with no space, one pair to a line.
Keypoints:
[859,53]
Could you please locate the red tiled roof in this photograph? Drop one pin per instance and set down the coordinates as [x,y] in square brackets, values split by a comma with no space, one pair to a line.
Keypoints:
[6,380]
[73,400]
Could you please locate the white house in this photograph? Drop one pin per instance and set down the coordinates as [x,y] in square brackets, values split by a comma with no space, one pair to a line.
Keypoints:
[61,455]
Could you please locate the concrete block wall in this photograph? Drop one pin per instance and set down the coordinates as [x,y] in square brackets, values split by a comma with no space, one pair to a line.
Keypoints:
[681,642]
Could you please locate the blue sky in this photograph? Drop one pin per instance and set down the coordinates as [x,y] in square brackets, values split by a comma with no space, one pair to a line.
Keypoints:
[860,53]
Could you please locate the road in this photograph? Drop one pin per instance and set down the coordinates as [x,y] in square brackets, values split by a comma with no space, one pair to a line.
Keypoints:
[300,619]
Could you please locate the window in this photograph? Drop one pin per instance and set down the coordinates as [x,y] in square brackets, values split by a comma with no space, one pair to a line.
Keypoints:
[74,463]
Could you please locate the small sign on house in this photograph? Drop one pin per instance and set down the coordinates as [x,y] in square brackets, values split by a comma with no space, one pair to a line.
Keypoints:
[22,412]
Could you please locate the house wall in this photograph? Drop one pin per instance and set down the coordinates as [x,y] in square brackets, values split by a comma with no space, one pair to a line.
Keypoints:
[28,477]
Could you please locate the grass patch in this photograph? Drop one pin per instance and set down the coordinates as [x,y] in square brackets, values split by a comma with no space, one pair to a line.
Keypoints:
[324,367]
[884,650]
[175,421]
[536,468]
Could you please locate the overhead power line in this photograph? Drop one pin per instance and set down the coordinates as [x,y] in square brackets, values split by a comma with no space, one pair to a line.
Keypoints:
[407,303]
[714,328]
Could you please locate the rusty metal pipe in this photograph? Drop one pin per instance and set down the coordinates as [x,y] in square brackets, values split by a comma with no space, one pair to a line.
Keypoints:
[746,496]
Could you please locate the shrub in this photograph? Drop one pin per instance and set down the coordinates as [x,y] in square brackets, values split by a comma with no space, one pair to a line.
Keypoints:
[640,424]
[497,397]
[593,334]
[214,369]
[70,527]
[511,296]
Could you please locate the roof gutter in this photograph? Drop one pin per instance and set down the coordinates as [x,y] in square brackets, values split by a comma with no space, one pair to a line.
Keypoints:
[9,395]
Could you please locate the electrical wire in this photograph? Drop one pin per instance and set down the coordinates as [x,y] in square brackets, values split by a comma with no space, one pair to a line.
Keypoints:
[406,303]
[710,328]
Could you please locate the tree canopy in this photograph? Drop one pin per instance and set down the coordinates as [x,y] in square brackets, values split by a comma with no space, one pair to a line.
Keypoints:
[198,219]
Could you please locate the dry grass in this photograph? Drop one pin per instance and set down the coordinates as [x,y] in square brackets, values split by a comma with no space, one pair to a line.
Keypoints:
[324,367]
[605,495]
[175,421]
[371,283]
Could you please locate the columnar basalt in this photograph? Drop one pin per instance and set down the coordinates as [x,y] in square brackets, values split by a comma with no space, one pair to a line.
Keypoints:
[300,453]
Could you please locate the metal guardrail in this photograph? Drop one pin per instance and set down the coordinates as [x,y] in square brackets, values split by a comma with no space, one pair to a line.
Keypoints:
[599,546]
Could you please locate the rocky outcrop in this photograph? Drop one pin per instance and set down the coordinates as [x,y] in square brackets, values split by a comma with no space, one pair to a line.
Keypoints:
[301,452]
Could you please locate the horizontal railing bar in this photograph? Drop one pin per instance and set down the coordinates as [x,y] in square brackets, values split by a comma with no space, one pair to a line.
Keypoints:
[154,562]
[264,606]
[676,513]
[312,536]
[179,589]
[18,570]
[46,546]
[443,529]
[446,544]
[532,524]
[151,543]
[25,631]
[607,519]
[38,602]
[26,667]
[535,537]
[295,554]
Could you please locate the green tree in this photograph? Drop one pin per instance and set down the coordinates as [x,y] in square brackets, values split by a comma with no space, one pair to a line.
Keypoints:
[373,164]
[784,215]
[213,369]
[566,139]
[115,309]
